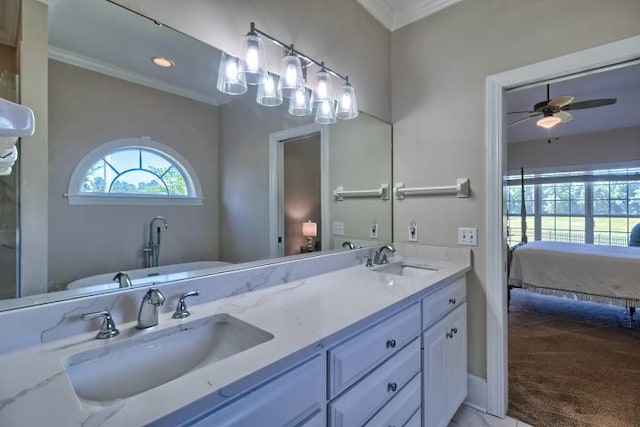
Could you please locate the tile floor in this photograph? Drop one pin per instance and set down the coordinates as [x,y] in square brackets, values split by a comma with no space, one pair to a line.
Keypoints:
[468,417]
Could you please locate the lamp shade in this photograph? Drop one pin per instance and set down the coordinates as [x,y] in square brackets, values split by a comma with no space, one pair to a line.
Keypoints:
[268,94]
[309,229]
[300,103]
[290,76]
[325,113]
[228,79]
[347,106]
[252,67]
[548,122]
[324,88]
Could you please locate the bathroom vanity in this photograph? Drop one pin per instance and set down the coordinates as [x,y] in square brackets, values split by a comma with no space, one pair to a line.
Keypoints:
[375,346]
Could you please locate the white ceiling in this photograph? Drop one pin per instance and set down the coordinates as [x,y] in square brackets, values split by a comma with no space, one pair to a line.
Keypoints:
[103,37]
[395,14]
[622,83]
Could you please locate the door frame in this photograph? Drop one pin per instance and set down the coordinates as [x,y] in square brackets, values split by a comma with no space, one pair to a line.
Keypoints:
[619,52]
[276,165]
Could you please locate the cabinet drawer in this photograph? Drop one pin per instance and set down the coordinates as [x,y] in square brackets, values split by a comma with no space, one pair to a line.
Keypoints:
[362,401]
[293,399]
[399,409]
[351,360]
[435,306]
[415,420]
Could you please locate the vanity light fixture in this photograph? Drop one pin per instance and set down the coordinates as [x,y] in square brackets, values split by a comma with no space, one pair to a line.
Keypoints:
[228,81]
[252,70]
[163,62]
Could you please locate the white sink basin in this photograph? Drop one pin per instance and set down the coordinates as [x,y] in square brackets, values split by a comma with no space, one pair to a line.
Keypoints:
[407,270]
[134,366]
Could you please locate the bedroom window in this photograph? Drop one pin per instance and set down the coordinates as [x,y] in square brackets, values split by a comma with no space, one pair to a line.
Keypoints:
[134,171]
[599,207]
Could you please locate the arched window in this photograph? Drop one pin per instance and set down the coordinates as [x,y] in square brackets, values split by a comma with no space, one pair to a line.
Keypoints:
[134,171]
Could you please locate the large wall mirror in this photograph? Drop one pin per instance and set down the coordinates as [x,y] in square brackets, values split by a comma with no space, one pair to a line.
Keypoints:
[233,181]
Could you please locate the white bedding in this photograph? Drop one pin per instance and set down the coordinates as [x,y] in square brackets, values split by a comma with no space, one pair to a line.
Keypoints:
[608,271]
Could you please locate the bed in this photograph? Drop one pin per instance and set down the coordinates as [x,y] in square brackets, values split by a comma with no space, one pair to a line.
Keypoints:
[609,274]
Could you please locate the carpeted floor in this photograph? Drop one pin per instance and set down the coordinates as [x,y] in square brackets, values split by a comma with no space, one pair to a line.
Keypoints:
[570,364]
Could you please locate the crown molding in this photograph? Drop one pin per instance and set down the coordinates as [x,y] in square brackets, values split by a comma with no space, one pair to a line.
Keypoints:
[87,63]
[394,20]
[380,10]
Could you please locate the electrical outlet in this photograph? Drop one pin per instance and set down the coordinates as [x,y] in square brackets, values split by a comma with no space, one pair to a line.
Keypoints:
[412,231]
[338,228]
[373,230]
[468,236]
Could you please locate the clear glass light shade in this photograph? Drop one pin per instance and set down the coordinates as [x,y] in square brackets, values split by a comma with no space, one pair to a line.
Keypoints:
[325,113]
[347,106]
[252,67]
[300,103]
[548,122]
[290,76]
[228,81]
[324,88]
[268,94]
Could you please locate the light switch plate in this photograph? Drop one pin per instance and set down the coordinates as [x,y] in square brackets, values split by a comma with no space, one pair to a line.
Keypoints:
[468,236]
[373,229]
[338,228]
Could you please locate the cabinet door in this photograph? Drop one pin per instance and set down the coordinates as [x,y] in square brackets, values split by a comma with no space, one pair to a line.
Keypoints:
[457,359]
[293,399]
[434,365]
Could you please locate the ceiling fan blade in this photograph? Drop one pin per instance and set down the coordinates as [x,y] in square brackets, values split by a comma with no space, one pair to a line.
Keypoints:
[560,101]
[564,116]
[520,112]
[592,103]
[524,119]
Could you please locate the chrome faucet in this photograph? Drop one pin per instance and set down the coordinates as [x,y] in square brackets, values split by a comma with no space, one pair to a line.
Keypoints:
[148,314]
[348,244]
[381,254]
[152,250]
[123,279]
[108,328]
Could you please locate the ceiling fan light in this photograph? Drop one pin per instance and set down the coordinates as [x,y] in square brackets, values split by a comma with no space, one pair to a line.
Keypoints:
[548,122]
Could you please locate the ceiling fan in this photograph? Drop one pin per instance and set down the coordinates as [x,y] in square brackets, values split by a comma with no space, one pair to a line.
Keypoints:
[556,110]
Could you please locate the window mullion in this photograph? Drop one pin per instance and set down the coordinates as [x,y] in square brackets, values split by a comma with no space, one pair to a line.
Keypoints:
[588,213]
[537,191]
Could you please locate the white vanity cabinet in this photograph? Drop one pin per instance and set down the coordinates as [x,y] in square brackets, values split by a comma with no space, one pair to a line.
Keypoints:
[384,363]
[296,398]
[444,364]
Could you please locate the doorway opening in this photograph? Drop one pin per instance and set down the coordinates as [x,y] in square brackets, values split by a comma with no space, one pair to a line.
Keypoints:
[619,52]
[299,188]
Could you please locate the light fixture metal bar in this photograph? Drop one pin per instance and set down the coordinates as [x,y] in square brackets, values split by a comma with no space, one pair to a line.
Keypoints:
[290,48]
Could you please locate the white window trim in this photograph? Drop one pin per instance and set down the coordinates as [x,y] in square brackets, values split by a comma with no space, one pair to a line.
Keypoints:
[76,197]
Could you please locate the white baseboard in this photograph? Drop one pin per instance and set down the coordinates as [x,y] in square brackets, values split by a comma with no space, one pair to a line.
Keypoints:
[476,393]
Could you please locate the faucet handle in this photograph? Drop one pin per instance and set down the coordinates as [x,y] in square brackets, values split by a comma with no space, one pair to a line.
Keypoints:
[181,309]
[108,328]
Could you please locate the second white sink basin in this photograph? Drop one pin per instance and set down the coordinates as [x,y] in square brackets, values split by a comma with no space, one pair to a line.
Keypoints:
[134,366]
[407,269]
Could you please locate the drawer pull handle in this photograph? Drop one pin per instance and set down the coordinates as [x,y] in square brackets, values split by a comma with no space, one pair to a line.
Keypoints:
[452,301]
[449,335]
[392,387]
[391,343]
[454,330]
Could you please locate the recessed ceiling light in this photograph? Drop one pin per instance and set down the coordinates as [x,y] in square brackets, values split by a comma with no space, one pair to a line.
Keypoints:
[163,62]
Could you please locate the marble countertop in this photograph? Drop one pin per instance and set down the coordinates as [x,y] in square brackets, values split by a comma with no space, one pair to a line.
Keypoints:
[304,316]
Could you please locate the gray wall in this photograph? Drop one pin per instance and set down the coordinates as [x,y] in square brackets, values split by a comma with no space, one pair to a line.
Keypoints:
[339,32]
[576,151]
[87,109]
[244,176]
[439,67]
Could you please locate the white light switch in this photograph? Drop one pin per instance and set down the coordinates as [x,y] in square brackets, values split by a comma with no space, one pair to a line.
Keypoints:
[338,228]
[468,236]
